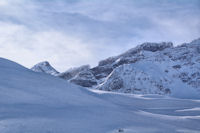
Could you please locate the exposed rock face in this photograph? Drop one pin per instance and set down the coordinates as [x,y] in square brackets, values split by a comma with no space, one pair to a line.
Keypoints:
[44,67]
[101,71]
[85,79]
[81,76]
[150,68]
[153,47]
[73,72]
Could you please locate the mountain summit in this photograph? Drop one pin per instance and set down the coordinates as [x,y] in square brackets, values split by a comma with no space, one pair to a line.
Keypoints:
[44,67]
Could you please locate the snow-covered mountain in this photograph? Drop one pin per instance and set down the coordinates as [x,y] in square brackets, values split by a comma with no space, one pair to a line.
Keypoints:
[150,68]
[155,68]
[32,102]
[45,67]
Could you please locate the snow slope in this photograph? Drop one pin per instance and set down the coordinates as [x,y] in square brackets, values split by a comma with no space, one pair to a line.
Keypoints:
[33,102]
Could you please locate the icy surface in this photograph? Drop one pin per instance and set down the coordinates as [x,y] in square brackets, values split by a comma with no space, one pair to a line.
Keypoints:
[33,102]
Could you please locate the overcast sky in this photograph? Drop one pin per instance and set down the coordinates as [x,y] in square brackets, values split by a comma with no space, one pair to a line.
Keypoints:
[70,33]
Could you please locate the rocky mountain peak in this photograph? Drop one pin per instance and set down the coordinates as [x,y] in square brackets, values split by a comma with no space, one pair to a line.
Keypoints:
[45,67]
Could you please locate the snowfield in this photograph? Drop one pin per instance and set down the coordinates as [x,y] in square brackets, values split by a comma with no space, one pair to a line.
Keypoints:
[33,102]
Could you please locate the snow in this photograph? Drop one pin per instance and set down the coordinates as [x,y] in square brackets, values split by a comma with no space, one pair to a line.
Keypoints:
[147,78]
[33,102]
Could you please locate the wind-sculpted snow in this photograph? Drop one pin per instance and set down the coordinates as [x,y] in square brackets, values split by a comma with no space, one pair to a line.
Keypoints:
[33,102]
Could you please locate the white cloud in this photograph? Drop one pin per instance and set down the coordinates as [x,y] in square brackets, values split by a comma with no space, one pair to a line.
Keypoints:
[27,47]
[3,3]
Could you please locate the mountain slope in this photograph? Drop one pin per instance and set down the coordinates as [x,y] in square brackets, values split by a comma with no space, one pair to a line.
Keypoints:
[148,69]
[40,103]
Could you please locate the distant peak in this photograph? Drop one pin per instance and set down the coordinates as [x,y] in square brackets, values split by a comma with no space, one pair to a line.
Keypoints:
[44,67]
[44,63]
